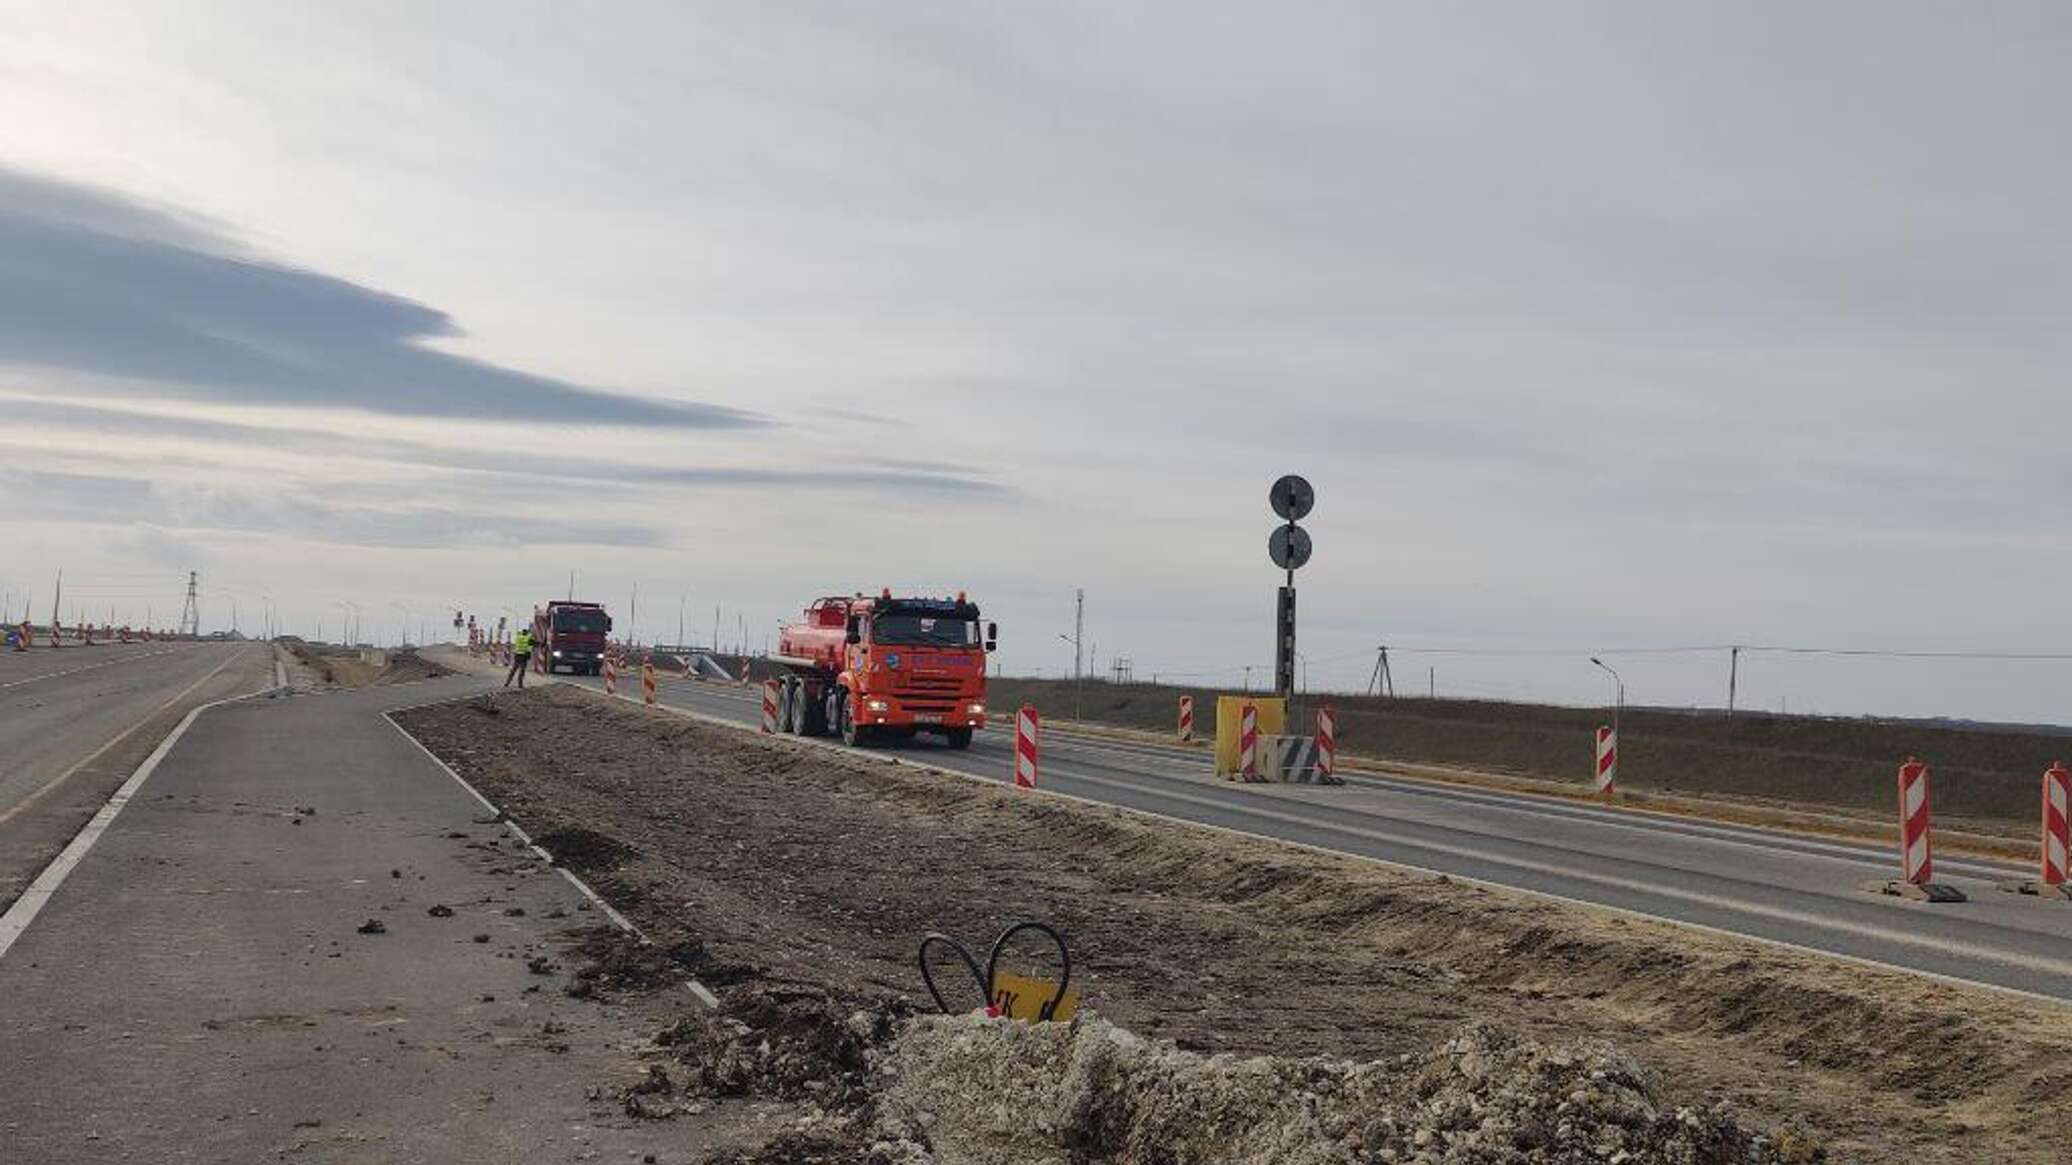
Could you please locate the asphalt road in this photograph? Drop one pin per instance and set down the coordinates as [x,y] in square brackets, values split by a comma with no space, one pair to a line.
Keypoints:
[75,722]
[1781,887]
[202,987]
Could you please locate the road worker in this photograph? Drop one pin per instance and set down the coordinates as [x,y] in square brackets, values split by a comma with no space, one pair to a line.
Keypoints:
[521,656]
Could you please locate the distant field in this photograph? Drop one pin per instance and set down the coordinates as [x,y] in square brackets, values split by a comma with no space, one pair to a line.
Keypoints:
[1979,773]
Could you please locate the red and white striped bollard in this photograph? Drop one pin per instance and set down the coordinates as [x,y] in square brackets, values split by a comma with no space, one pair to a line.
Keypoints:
[1607,763]
[2057,823]
[1327,742]
[647,683]
[769,707]
[1026,724]
[1186,718]
[1916,829]
[611,675]
[1248,742]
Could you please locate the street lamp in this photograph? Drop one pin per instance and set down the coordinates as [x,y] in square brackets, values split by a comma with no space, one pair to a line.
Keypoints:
[1075,672]
[1618,693]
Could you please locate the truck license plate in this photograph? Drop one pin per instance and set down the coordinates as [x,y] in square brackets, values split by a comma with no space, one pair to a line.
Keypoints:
[927,718]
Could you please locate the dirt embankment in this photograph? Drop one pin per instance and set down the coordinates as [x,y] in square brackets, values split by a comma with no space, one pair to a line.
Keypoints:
[351,667]
[798,882]
[1982,776]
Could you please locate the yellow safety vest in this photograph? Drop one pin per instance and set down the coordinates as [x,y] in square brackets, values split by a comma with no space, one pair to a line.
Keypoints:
[522,643]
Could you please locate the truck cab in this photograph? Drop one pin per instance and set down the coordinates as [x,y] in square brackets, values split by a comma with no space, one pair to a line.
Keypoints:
[576,636]
[885,667]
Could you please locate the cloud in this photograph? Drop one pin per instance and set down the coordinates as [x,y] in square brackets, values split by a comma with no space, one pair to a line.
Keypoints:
[115,500]
[92,283]
[891,475]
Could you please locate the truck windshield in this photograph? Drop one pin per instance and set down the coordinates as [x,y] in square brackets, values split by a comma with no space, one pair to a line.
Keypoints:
[582,621]
[922,631]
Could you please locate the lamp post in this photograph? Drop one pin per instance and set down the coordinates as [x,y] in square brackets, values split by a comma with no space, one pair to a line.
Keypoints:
[1618,693]
[1075,672]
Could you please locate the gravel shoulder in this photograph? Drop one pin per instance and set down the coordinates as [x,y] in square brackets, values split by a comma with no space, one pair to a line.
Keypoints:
[778,867]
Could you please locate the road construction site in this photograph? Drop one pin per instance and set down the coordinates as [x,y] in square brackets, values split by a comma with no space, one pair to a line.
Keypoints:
[796,881]
[346,954]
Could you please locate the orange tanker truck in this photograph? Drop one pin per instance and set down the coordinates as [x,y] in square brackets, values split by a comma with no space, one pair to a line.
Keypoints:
[875,668]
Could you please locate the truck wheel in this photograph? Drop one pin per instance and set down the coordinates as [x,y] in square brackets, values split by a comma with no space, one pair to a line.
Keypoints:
[812,711]
[853,735]
[958,737]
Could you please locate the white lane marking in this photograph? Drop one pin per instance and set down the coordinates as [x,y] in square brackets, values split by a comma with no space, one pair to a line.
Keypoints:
[2021,961]
[621,921]
[118,738]
[73,671]
[38,895]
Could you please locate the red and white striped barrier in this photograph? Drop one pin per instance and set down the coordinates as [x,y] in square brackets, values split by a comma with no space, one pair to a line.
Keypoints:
[1026,724]
[1248,742]
[2057,823]
[769,707]
[745,665]
[55,641]
[1327,742]
[1916,831]
[1186,718]
[611,675]
[1607,763]
[647,684]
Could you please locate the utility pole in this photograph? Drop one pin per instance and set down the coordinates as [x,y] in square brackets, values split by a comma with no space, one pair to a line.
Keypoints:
[54,606]
[715,629]
[1432,683]
[571,586]
[680,600]
[1733,677]
[1078,631]
[633,614]
[1380,682]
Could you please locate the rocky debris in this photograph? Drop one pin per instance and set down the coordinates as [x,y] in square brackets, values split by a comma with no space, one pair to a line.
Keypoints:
[440,910]
[782,1043]
[972,1089]
[615,961]
[372,926]
[583,850]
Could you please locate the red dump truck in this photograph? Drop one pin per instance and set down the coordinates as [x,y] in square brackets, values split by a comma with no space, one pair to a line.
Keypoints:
[576,636]
[873,668]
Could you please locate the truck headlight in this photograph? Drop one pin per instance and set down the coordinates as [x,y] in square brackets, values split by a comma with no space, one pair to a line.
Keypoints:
[978,709]
[876,705]
[557,655]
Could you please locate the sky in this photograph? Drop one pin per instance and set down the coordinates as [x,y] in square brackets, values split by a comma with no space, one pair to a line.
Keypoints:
[1597,327]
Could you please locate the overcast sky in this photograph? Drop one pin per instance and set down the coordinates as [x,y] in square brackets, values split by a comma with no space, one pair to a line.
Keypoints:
[1596,327]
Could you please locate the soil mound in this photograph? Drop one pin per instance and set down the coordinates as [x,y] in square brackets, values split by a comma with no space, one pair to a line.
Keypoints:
[616,962]
[584,850]
[972,1090]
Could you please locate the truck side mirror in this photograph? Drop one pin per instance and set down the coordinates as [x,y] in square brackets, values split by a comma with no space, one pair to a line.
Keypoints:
[992,636]
[855,630]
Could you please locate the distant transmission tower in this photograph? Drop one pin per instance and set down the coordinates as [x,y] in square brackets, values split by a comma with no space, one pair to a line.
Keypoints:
[190,615]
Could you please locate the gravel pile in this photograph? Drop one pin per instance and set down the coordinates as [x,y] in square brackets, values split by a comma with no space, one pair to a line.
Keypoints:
[966,1089]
